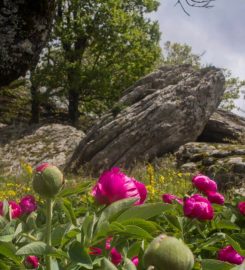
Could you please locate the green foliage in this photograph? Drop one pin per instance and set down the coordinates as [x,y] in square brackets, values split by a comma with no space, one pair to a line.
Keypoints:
[98,49]
[79,224]
[179,54]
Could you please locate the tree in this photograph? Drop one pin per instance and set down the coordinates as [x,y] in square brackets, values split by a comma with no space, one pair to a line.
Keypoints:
[24,29]
[106,45]
[177,54]
[47,80]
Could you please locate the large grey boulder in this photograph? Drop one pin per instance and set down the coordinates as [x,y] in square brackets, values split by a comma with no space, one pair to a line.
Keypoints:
[223,162]
[52,143]
[24,29]
[224,127]
[162,111]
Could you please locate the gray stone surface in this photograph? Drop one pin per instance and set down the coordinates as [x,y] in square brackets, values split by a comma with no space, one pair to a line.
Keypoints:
[24,29]
[52,143]
[224,127]
[223,162]
[162,111]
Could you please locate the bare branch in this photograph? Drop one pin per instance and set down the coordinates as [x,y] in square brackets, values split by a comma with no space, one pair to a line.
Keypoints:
[194,3]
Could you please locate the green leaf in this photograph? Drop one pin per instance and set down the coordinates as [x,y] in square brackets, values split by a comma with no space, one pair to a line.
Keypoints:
[68,209]
[239,238]
[209,264]
[233,242]
[8,250]
[134,249]
[88,229]
[36,248]
[175,222]
[145,211]
[239,267]
[58,233]
[6,238]
[107,265]
[81,188]
[113,210]
[78,254]
[137,232]
[149,226]
[227,225]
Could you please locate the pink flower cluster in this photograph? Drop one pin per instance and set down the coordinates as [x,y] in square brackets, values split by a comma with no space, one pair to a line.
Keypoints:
[26,205]
[229,254]
[198,206]
[209,187]
[115,255]
[113,185]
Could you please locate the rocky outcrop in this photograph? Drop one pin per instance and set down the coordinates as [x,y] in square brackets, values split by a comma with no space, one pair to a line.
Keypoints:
[24,28]
[162,111]
[223,162]
[53,143]
[224,127]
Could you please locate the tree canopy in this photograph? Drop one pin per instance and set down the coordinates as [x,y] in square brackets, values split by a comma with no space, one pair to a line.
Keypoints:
[101,47]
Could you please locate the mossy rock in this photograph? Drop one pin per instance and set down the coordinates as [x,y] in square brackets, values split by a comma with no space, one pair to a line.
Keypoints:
[15,103]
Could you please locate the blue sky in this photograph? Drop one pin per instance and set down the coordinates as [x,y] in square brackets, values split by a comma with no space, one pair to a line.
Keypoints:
[219,32]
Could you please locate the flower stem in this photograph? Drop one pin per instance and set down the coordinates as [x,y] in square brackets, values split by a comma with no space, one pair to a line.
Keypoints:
[49,204]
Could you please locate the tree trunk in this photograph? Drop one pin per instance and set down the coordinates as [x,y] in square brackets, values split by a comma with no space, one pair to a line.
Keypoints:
[73,97]
[35,105]
[24,29]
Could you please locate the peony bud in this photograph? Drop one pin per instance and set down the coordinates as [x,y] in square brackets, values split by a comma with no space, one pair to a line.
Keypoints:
[95,251]
[31,262]
[204,183]
[169,198]
[108,242]
[135,260]
[48,180]
[228,254]
[241,207]
[215,197]
[168,253]
[15,209]
[116,257]
[28,204]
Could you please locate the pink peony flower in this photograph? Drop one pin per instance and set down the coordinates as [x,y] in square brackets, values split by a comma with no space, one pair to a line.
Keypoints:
[135,260]
[42,166]
[15,209]
[204,183]
[95,251]
[228,254]
[241,207]
[113,185]
[108,243]
[169,198]
[215,197]
[198,207]
[28,204]
[116,257]
[31,262]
